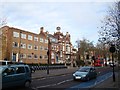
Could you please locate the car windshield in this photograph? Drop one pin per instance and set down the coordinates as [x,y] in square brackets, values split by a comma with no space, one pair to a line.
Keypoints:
[84,69]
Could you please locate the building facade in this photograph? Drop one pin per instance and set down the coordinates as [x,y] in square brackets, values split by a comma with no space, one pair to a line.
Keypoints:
[23,46]
[65,46]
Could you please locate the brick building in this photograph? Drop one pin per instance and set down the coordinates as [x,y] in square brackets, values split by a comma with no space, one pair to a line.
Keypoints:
[65,46]
[25,46]
[20,45]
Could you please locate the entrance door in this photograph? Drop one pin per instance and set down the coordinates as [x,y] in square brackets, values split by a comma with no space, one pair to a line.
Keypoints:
[14,56]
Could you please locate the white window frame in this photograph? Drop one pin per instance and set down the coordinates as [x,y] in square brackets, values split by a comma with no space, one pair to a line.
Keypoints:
[41,40]
[23,45]
[35,38]
[22,55]
[23,36]
[29,37]
[46,56]
[41,48]
[15,34]
[46,48]
[36,57]
[35,47]
[46,41]
[29,46]
[14,44]
[29,55]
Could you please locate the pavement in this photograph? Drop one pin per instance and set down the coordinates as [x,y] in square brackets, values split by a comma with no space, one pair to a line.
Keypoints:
[109,84]
[106,84]
[53,72]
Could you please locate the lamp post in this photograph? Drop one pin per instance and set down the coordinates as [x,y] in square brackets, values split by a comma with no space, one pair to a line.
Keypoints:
[112,50]
[48,53]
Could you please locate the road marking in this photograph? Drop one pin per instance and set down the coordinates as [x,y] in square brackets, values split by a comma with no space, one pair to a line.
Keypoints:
[35,88]
[41,79]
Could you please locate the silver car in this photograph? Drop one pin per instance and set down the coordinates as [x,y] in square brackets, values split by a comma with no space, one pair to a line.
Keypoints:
[85,73]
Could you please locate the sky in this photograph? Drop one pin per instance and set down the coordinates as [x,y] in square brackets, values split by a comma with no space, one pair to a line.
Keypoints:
[81,18]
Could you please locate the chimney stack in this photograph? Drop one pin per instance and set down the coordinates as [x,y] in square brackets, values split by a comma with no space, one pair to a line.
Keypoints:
[41,29]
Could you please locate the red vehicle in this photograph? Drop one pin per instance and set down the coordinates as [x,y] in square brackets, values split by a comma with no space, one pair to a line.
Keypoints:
[98,62]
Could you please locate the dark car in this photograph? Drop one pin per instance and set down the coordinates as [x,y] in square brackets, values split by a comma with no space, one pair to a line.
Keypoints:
[85,73]
[15,75]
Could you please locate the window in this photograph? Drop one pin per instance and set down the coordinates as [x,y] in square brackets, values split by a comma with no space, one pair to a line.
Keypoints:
[15,34]
[67,48]
[29,46]
[46,48]
[23,36]
[53,47]
[29,37]
[52,55]
[41,48]
[20,70]
[9,71]
[29,56]
[41,39]
[15,44]
[35,47]
[64,48]
[35,56]
[35,38]
[46,56]
[61,37]
[40,56]
[46,41]
[23,45]
[27,70]
[22,55]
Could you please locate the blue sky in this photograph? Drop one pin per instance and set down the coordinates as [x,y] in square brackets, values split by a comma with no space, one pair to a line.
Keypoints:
[79,18]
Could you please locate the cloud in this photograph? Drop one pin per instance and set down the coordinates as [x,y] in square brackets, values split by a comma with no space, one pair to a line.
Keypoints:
[78,18]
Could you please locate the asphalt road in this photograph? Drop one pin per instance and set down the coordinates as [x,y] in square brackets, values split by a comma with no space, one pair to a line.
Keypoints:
[59,82]
[63,81]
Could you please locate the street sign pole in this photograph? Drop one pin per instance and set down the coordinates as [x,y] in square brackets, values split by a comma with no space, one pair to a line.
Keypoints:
[113,68]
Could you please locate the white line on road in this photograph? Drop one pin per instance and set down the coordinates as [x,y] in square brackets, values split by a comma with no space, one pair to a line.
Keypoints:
[52,84]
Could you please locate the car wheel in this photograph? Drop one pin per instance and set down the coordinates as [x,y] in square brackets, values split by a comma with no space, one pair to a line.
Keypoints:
[27,84]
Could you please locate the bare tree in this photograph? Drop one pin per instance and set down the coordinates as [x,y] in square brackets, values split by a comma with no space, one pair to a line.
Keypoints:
[84,49]
[110,31]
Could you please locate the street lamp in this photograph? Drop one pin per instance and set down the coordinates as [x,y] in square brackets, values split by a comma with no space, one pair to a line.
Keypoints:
[48,53]
[112,50]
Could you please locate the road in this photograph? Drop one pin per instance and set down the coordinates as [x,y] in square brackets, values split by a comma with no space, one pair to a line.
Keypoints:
[61,82]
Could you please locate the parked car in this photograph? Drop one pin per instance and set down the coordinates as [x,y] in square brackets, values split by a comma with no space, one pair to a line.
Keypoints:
[85,73]
[15,75]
